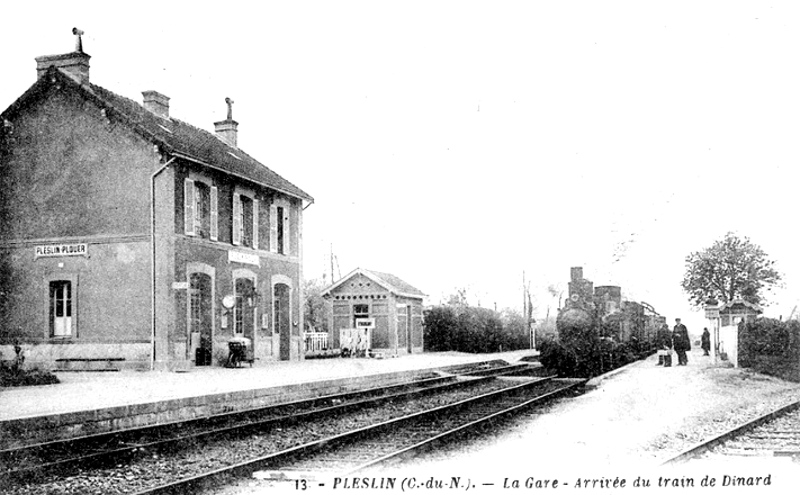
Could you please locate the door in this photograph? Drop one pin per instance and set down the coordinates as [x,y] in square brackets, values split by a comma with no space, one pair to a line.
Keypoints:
[244,311]
[282,316]
[61,308]
[200,319]
[408,328]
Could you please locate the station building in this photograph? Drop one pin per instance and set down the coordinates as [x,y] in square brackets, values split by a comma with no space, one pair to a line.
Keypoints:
[391,307]
[127,234]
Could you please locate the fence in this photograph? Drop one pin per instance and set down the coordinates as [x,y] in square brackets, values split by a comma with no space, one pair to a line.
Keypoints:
[315,341]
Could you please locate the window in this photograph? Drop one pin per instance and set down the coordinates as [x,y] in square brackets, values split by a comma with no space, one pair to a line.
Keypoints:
[200,209]
[279,229]
[243,310]
[202,215]
[360,311]
[245,221]
[60,308]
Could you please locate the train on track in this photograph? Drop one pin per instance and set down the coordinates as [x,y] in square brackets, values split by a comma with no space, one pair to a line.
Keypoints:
[601,330]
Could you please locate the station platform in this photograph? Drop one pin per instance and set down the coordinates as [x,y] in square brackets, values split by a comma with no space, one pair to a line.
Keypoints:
[91,402]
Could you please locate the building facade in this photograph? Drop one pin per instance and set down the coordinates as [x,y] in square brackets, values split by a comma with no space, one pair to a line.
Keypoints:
[391,307]
[128,234]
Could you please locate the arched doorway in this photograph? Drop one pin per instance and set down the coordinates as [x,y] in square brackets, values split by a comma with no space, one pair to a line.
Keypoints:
[200,319]
[282,315]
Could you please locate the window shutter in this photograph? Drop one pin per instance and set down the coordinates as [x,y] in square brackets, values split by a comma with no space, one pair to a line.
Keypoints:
[188,206]
[214,217]
[255,223]
[273,228]
[237,219]
[287,230]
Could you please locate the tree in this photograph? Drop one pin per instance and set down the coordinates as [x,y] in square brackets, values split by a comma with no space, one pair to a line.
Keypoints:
[555,291]
[316,310]
[732,268]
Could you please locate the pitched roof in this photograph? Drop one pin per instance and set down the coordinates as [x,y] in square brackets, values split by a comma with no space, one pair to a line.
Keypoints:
[740,302]
[171,135]
[388,281]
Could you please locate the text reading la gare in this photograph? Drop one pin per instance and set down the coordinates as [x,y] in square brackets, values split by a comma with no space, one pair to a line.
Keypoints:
[639,482]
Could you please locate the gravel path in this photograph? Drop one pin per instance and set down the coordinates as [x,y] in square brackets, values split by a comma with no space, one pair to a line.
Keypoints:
[636,418]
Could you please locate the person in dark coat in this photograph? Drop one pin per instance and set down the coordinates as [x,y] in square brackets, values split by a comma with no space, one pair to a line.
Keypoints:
[664,342]
[680,341]
[705,341]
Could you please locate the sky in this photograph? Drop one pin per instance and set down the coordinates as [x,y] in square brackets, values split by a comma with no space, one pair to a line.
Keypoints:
[458,144]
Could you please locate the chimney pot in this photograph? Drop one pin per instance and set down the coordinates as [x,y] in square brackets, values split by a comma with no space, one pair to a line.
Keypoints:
[75,64]
[227,129]
[156,103]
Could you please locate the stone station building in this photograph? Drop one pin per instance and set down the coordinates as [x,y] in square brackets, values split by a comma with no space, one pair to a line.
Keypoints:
[131,239]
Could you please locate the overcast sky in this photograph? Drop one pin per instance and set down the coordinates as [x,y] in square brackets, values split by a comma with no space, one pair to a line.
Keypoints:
[456,144]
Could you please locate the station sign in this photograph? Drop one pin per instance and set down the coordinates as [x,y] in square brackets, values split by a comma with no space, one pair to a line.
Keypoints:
[712,312]
[368,323]
[56,250]
[246,258]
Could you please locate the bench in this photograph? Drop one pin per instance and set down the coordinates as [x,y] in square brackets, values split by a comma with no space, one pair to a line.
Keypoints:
[66,364]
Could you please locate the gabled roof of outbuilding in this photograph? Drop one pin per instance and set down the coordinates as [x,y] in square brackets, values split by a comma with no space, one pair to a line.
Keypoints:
[173,136]
[390,282]
[740,302]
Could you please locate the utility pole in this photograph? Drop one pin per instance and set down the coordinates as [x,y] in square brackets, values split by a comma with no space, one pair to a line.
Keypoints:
[332,276]
[526,310]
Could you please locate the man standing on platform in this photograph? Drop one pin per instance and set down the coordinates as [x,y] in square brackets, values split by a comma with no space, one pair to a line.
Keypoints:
[680,341]
[705,341]
[664,342]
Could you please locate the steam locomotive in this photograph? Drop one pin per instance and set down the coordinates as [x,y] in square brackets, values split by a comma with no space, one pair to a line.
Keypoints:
[595,319]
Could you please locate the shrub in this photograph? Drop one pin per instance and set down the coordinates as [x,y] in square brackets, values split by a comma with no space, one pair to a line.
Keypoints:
[22,378]
[470,329]
[771,346]
[557,358]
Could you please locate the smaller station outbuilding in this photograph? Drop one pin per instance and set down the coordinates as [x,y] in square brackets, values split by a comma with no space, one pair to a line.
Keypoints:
[731,314]
[390,308]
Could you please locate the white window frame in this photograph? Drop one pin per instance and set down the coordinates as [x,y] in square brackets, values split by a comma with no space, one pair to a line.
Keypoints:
[285,248]
[238,217]
[190,210]
[72,279]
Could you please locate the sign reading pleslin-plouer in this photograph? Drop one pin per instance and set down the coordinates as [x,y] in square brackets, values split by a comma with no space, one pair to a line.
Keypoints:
[239,257]
[60,250]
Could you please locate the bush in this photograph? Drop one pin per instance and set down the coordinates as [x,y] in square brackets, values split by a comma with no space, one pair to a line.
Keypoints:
[557,358]
[14,374]
[24,378]
[771,346]
[471,329]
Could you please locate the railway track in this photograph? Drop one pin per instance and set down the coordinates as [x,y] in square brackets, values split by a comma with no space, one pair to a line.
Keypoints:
[775,434]
[386,442]
[47,462]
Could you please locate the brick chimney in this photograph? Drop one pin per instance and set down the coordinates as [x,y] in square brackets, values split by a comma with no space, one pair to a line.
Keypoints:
[156,103]
[76,64]
[227,129]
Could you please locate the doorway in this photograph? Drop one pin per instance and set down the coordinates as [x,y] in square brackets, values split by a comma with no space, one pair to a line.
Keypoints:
[282,316]
[244,311]
[408,328]
[200,319]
